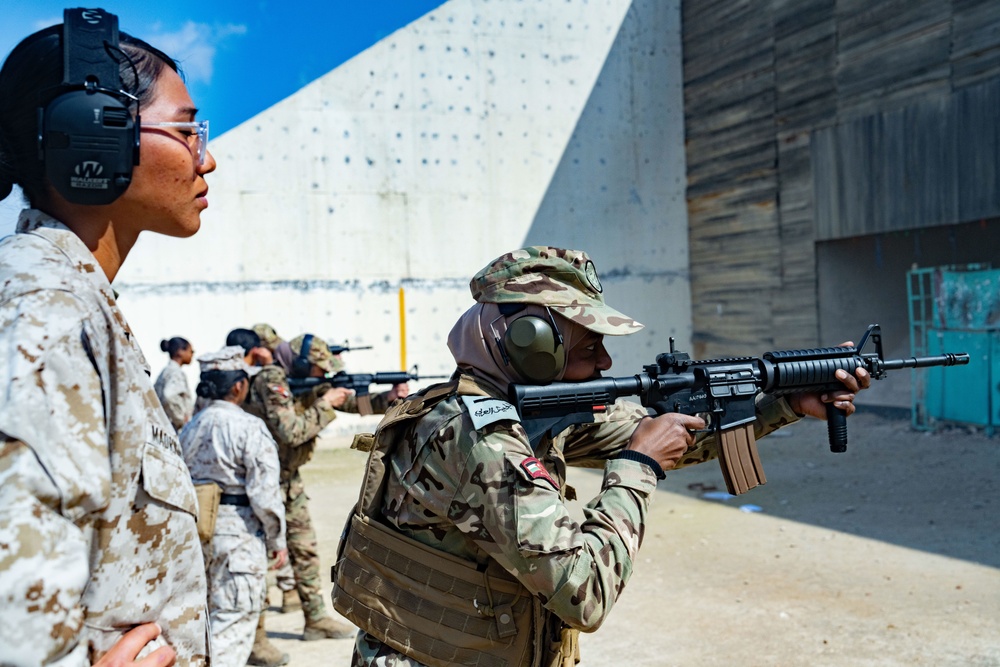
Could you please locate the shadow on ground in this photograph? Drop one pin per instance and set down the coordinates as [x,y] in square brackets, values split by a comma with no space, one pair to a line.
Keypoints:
[936,492]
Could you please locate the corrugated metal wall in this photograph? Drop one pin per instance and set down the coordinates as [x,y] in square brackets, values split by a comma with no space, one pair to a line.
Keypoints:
[825,119]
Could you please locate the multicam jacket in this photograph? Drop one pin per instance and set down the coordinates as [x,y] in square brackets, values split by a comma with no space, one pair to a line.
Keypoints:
[172,389]
[463,480]
[294,421]
[97,510]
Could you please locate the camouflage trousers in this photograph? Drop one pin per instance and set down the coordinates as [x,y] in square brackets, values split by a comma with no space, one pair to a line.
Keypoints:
[303,550]
[234,568]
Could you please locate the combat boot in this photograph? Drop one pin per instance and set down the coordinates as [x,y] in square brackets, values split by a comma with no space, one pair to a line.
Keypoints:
[290,601]
[264,653]
[327,628]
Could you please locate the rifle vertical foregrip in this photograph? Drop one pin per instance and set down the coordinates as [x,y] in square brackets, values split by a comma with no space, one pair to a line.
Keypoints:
[836,425]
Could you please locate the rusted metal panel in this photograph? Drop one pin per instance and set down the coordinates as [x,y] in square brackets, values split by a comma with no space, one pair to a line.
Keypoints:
[928,164]
[839,118]
[977,121]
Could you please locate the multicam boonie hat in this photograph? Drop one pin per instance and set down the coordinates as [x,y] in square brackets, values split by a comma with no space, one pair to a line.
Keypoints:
[319,353]
[564,280]
[269,338]
[229,358]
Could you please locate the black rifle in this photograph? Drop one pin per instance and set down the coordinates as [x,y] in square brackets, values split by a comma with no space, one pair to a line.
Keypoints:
[723,391]
[358,382]
[340,349]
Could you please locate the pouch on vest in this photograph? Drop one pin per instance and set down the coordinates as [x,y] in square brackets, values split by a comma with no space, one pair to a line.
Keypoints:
[432,606]
[208,495]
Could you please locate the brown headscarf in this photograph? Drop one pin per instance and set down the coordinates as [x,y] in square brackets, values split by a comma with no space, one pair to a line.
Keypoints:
[475,347]
[284,356]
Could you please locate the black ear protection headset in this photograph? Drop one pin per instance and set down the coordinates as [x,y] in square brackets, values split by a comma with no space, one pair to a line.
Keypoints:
[301,366]
[531,345]
[87,137]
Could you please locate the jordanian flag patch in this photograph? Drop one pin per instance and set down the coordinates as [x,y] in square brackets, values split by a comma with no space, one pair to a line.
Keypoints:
[535,470]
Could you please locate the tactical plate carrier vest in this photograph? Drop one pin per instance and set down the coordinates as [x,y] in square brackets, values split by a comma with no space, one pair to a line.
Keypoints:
[427,604]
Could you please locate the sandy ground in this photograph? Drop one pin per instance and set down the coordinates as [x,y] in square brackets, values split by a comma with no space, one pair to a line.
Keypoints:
[888,554]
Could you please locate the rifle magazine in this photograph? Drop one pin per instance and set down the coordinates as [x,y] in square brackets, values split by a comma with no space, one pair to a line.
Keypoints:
[364,403]
[739,460]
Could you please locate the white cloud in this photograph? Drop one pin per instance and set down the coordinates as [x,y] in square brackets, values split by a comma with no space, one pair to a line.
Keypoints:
[194,46]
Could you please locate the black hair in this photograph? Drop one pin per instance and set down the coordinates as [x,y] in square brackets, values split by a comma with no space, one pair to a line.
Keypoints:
[174,345]
[217,384]
[31,77]
[245,338]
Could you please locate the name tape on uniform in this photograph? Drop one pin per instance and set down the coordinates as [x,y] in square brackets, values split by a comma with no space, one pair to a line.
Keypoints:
[485,410]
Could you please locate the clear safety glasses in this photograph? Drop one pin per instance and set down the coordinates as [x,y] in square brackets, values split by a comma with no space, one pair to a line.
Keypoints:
[197,129]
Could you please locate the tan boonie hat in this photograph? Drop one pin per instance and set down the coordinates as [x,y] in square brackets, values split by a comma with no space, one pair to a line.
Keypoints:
[269,338]
[564,280]
[319,353]
[229,358]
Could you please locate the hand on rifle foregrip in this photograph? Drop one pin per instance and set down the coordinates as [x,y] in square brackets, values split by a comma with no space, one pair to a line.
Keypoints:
[820,404]
[833,406]
[401,390]
[664,438]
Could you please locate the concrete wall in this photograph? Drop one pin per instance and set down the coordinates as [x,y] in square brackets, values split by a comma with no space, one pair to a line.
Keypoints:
[482,127]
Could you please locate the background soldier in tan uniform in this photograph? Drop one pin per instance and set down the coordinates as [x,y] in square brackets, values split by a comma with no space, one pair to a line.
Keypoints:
[97,511]
[225,446]
[462,550]
[171,385]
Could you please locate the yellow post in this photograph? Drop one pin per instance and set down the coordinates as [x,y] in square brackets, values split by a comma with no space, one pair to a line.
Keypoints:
[402,329]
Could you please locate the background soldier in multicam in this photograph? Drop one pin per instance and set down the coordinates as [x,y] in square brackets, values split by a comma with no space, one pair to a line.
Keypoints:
[284,577]
[295,422]
[100,554]
[269,338]
[224,445]
[171,385]
[462,550]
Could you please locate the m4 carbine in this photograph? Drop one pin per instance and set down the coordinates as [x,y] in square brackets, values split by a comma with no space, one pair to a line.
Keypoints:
[346,347]
[723,391]
[358,382]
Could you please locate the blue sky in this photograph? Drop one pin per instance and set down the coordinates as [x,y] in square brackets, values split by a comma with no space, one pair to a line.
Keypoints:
[239,56]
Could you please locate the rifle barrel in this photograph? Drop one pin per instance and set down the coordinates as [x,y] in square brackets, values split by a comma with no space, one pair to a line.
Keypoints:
[947,359]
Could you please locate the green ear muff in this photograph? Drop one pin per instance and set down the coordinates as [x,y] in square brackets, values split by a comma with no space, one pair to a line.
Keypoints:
[534,350]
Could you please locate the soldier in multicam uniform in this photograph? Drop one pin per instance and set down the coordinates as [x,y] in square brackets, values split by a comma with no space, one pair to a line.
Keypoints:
[461,550]
[283,356]
[295,422]
[171,385]
[226,446]
[99,550]
[269,338]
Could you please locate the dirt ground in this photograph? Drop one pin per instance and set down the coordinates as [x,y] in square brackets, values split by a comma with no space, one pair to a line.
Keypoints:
[888,554]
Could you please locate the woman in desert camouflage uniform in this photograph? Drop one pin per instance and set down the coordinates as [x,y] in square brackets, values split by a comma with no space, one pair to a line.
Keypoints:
[171,385]
[101,558]
[225,446]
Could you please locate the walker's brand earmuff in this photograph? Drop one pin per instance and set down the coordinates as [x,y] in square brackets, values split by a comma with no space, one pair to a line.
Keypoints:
[301,366]
[532,346]
[87,138]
